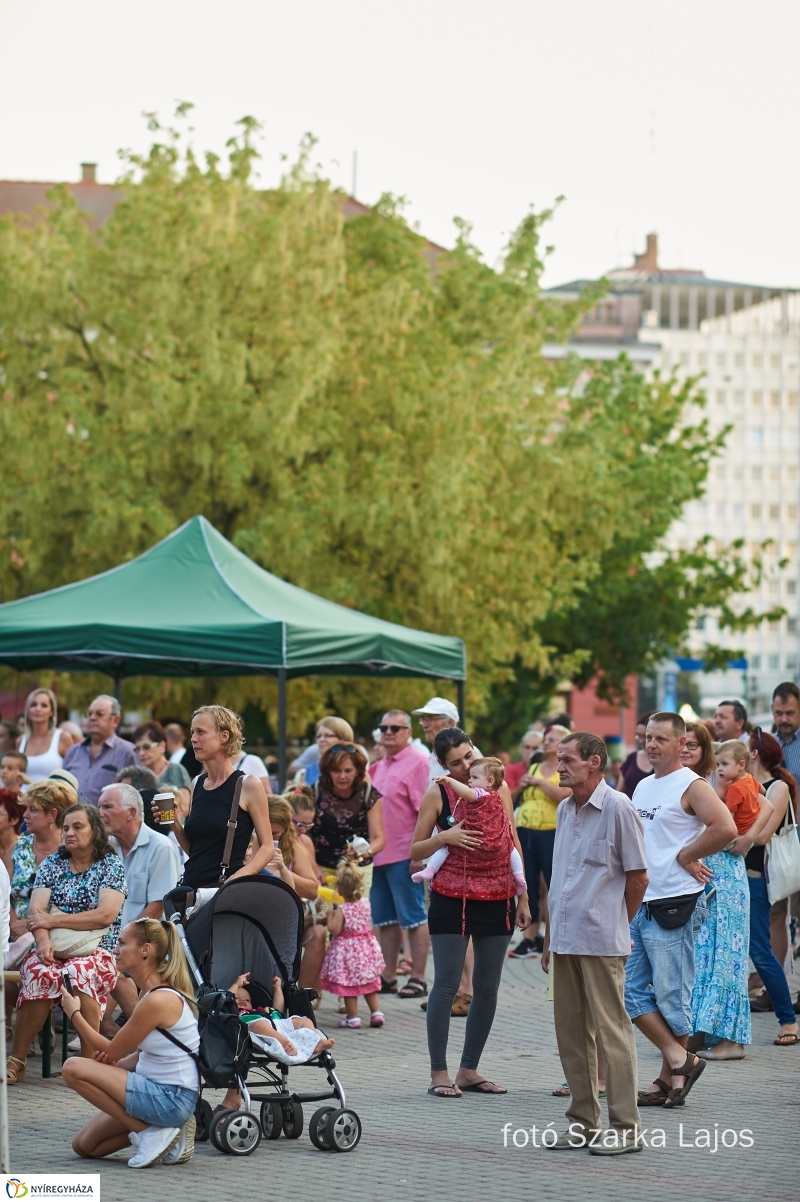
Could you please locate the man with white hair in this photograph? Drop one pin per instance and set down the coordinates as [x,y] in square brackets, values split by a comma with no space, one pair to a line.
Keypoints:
[98,759]
[151,863]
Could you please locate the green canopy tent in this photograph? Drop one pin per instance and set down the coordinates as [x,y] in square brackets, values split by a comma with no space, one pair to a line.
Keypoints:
[219,615]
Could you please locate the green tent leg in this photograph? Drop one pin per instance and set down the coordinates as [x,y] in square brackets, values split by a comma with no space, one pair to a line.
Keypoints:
[282,728]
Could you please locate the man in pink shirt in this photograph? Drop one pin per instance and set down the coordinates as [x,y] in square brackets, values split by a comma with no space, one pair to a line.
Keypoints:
[401,778]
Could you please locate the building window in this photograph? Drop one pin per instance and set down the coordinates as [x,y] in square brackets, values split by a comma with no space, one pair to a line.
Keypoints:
[791,513]
[790,550]
[738,513]
[774,512]
[755,436]
[791,664]
[755,662]
[755,511]
[758,398]
[684,358]
[775,362]
[700,624]
[738,360]
[791,472]
[720,398]
[791,625]
[756,472]
[774,473]
[775,400]
[791,587]
[792,399]
[738,398]
[774,663]
[758,360]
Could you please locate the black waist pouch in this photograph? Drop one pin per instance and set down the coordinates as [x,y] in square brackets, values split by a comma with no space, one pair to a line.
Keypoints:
[673,912]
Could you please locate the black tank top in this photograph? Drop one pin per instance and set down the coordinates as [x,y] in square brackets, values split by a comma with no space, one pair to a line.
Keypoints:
[754,859]
[206,828]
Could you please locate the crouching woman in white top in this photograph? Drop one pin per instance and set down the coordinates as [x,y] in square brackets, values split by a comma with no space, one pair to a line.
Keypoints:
[144,1085]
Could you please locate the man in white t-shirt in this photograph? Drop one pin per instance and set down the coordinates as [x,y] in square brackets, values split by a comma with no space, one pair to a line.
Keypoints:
[684,820]
[434,716]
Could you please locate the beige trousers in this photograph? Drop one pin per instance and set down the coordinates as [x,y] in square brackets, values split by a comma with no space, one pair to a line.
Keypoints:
[588,997]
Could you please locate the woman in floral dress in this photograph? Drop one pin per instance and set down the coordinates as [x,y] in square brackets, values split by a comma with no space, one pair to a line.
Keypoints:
[85,880]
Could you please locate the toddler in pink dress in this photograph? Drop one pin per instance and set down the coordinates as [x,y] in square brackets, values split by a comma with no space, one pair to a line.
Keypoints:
[353,963]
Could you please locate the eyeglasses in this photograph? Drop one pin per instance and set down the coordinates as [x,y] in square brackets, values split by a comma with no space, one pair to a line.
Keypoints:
[692,746]
[393,729]
[350,748]
[302,826]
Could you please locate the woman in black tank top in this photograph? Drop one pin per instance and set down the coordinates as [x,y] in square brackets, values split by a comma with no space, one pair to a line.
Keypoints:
[216,741]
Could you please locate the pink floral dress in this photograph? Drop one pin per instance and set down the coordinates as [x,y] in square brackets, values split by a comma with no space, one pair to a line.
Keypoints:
[353,963]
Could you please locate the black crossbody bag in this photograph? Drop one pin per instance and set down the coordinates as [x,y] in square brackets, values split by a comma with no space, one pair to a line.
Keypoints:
[673,912]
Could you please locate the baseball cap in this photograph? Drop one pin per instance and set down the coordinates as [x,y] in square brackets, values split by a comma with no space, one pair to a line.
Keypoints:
[440,706]
[63,774]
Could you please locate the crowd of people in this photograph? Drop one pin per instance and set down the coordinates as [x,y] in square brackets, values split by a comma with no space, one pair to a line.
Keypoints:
[643,887]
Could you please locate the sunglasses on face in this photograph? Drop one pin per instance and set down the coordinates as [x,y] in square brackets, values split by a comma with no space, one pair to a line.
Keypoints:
[147,746]
[348,747]
[393,729]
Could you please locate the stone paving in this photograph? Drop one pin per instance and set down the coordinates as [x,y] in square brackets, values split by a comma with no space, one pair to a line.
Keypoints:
[418,1147]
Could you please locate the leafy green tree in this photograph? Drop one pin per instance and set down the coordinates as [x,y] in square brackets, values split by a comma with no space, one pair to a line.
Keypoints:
[376,429]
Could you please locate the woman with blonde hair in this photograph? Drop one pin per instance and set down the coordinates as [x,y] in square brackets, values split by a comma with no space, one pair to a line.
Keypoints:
[145,1080]
[329,730]
[290,860]
[216,742]
[44,744]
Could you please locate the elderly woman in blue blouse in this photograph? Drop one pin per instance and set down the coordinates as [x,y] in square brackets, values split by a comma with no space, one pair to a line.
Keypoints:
[74,917]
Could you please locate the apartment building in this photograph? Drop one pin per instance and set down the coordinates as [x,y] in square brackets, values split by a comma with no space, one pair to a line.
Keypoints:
[744,342]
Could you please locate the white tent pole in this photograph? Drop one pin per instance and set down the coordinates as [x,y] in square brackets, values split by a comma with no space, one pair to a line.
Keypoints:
[5,1162]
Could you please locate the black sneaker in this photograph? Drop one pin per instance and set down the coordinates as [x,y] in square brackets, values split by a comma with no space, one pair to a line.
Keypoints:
[538,944]
[524,950]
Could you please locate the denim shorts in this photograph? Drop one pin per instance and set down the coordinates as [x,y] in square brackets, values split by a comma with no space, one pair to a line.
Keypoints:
[158,1105]
[395,898]
[659,974]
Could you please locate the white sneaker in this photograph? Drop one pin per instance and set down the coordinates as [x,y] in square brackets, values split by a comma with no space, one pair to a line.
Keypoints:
[154,1142]
[184,1148]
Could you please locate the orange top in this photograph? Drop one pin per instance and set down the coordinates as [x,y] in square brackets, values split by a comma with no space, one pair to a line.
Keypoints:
[741,798]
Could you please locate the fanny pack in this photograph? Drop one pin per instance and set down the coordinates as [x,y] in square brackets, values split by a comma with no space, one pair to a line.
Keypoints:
[673,912]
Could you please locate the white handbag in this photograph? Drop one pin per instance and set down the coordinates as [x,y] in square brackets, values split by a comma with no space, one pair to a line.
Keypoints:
[782,861]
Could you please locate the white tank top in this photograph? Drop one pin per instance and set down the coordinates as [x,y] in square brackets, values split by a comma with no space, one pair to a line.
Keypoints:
[161,1061]
[667,830]
[40,766]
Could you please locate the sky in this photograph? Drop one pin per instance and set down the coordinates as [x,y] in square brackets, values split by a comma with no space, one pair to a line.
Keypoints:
[681,117]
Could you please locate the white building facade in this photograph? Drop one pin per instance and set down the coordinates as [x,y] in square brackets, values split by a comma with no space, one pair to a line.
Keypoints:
[744,342]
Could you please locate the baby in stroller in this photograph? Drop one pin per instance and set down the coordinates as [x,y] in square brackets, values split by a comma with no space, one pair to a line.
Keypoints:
[272,1022]
[269,1026]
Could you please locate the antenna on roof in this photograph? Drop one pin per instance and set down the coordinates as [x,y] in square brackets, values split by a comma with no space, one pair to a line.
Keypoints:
[355,173]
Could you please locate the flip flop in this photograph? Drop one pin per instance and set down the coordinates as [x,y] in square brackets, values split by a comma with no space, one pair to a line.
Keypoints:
[786,1041]
[476,1088]
[451,1097]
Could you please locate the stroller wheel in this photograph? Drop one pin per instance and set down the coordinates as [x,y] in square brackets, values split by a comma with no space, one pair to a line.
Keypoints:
[316,1128]
[342,1130]
[238,1133]
[214,1124]
[292,1120]
[202,1115]
[271,1120]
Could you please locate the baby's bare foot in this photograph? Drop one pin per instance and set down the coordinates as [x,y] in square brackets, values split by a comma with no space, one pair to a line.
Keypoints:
[323,1045]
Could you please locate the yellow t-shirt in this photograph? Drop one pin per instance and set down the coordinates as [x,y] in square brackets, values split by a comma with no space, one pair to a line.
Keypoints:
[536,811]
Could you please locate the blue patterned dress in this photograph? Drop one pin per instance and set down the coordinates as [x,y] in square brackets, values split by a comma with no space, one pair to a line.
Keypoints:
[720,1004]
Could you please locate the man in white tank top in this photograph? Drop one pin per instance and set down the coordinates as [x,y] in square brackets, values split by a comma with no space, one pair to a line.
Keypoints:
[684,820]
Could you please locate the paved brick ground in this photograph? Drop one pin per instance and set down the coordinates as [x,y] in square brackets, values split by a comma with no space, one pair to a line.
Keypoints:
[418,1147]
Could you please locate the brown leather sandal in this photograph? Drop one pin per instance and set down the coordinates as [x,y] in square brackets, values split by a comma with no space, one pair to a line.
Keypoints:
[648,1098]
[691,1072]
[15,1071]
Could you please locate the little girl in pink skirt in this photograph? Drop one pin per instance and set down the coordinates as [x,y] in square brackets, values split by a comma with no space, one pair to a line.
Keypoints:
[353,963]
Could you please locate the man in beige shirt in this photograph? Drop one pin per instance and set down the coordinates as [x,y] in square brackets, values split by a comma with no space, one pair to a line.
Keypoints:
[599,879]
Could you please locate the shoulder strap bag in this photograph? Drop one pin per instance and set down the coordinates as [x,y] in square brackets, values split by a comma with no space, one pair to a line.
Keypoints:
[782,859]
[233,818]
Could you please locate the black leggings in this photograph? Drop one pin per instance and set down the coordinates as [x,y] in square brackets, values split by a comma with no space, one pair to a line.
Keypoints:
[449,952]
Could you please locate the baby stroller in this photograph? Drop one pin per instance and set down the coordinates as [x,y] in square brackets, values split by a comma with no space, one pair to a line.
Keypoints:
[255,924]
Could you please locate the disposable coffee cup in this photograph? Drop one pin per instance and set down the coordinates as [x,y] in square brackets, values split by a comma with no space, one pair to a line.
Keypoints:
[167,807]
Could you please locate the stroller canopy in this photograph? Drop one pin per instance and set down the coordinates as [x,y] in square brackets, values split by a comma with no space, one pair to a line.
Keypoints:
[253,924]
